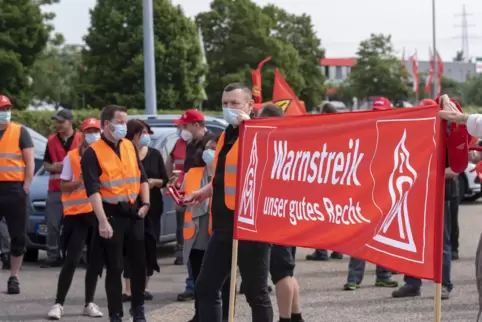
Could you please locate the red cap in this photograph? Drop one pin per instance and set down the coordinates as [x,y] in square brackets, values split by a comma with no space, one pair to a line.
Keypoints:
[4,101]
[190,116]
[381,104]
[90,123]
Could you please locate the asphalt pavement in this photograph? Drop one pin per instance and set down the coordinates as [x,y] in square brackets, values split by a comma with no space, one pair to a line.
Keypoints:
[323,299]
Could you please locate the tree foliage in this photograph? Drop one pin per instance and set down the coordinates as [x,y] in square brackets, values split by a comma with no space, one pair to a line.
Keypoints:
[24,32]
[114,58]
[378,71]
[473,90]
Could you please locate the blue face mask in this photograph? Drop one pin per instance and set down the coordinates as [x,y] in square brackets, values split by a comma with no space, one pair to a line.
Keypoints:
[91,137]
[120,131]
[231,115]
[145,139]
[5,116]
[208,156]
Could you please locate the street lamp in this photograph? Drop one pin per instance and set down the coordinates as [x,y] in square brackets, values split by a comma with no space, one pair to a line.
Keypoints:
[149,62]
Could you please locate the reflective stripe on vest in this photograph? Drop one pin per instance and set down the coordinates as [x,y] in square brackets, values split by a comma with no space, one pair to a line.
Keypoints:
[77,201]
[12,165]
[120,178]
[57,154]
[192,182]
[230,171]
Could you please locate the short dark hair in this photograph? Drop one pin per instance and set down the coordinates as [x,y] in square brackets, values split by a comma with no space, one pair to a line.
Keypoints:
[135,127]
[271,110]
[234,86]
[108,112]
[328,108]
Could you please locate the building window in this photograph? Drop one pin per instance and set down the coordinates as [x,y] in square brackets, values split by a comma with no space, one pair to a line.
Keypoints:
[327,71]
[338,73]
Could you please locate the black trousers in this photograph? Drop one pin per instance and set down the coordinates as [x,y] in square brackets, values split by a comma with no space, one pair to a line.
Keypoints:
[76,233]
[253,261]
[131,232]
[14,210]
[454,219]
[179,230]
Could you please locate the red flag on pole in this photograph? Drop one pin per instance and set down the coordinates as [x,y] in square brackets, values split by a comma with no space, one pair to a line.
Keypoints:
[429,80]
[414,61]
[285,98]
[440,73]
[257,78]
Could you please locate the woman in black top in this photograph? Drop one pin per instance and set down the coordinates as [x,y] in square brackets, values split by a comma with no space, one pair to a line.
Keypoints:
[139,133]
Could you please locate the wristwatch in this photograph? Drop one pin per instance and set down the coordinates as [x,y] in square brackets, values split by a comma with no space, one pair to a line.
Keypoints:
[147,204]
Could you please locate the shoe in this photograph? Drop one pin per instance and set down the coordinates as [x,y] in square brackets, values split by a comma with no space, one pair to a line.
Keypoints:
[185,296]
[13,285]
[148,296]
[52,263]
[455,256]
[445,293]
[351,287]
[179,261]
[92,310]
[138,314]
[126,298]
[406,291]
[389,283]
[56,312]
[115,318]
[316,257]
[336,255]
[5,259]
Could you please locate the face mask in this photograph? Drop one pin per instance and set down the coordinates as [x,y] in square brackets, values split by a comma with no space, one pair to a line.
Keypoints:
[186,135]
[145,139]
[208,156]
[91,137]
[231,115]
[5,116]
[120,131]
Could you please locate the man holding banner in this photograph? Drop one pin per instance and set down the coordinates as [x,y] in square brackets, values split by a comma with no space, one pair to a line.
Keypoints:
[253,256]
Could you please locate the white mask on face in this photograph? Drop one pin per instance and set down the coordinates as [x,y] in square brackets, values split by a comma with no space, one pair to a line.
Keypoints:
[186,135]
[231,115]
[91,137]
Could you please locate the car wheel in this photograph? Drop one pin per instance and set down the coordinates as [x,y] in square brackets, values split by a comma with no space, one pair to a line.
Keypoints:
[31,255]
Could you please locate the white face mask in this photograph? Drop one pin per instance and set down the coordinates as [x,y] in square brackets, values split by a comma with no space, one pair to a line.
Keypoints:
[186,135]
[231,115]
[208,156]
[91,137]
[5,116]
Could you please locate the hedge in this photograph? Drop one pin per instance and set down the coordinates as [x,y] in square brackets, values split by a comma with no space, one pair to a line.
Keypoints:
[41,121]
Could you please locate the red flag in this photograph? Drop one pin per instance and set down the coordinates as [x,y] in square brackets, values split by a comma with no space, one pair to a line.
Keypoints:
[404,67]
[285,98]
[414,61]
[256,78]
[429,80]
[440,73]
[380,175]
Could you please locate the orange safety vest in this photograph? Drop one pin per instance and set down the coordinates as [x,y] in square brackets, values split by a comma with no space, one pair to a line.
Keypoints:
[230,170]
[76,202]
[12,165]
[192,182]
[121,178]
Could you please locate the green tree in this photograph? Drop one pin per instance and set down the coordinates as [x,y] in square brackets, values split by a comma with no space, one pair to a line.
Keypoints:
[298,31]
[114,58]
[473,90]
[237,37]
[24,32]
[378,71]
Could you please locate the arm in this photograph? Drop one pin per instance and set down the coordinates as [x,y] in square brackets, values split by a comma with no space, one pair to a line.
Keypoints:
[67,184]
[91,172]
[169,166]
[162,181]
[449,174]
[474,124]
[144,193]
[26,145]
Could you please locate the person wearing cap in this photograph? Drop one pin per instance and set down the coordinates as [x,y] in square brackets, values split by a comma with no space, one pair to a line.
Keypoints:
[58,145]
[381,104]
[17,166]
[78,220]
[118,189]
[139,133]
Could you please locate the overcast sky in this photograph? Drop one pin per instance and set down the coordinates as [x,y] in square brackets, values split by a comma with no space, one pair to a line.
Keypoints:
[340,24]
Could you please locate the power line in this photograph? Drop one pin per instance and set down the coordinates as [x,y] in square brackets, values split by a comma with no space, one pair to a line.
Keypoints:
[464,26]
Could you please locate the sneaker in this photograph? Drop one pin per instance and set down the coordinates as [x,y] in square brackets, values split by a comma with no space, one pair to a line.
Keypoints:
[148,296]
[138,314]
[115,318]
[185,296]
[179,261]
[389,283]
[455,256]
[13,285]
[316,257]
[336,255]
[406,291]
[351,287]
[92,310]
[445,293]
[126,298]
[56,312]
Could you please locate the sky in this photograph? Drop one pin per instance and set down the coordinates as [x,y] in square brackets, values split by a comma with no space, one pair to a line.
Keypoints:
[340,24]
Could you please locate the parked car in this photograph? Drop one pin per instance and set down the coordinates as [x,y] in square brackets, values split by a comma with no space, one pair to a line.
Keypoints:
[470,186]
[163,139]
[39,144]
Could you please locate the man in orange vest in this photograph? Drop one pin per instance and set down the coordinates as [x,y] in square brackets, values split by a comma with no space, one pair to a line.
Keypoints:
[253,257]
[58,144]
[17,166]
[118,189]
[79,219]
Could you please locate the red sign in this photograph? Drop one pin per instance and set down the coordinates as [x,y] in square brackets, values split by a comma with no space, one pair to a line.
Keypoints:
[366,184]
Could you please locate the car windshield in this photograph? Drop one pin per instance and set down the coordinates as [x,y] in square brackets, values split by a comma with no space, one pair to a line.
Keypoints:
[39,143]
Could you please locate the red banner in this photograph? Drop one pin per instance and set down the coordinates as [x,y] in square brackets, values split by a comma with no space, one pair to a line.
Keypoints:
[367,184]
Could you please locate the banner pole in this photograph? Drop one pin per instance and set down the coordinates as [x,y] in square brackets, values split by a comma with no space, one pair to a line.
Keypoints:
[232,290]
[438,303]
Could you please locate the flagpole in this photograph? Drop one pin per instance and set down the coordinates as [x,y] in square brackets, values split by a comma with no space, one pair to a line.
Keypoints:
[149,62]
[434,43]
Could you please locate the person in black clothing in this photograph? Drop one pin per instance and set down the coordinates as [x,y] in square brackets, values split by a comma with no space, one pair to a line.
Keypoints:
[139,133]
[253,256]
[119,215]
[454,217]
